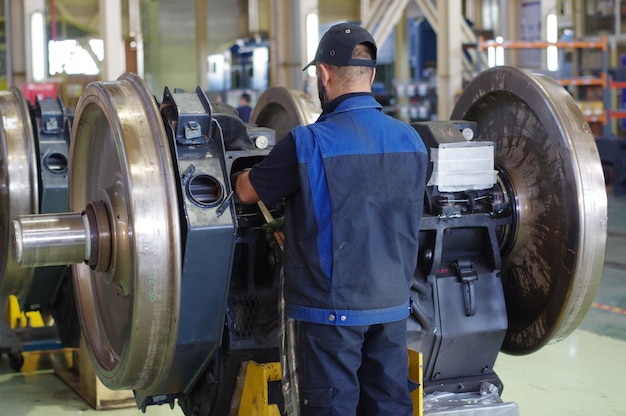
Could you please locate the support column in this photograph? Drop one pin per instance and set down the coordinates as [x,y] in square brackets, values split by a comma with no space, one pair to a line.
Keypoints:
[402,72]
[449,51]
[364,10]
[288,42]
[136,31]
[547,7]
[17,38]
[580,15]
[9,44]
[510,28]
[114,63]
[202,43]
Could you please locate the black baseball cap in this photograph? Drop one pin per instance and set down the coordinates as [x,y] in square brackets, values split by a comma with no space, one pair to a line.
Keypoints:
[337,45]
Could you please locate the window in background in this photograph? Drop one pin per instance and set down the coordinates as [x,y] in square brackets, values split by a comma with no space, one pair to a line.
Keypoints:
[70,57]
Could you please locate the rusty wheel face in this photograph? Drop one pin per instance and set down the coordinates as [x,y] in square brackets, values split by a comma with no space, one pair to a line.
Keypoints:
[281,109]
[19,189]
[121,162]
[549,161]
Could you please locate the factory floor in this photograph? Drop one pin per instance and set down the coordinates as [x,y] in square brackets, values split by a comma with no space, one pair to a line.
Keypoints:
[579,376]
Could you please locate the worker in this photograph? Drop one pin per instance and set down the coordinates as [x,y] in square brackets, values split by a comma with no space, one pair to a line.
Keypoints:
[353,184]
[244,109]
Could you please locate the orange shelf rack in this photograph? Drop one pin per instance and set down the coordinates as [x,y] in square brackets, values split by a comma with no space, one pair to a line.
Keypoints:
[602,82]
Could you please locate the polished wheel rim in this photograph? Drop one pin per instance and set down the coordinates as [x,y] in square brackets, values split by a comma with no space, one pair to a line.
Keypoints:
[121,160]
[19,190]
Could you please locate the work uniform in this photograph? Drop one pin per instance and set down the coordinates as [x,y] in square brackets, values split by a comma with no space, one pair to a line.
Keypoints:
[352,220]
[244,111]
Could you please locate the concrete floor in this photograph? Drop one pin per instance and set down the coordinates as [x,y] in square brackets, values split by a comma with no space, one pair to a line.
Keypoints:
[579,376]
[39,392]
[583,374]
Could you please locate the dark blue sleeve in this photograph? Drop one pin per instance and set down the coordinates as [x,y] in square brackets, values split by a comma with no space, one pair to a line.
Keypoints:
[276,176]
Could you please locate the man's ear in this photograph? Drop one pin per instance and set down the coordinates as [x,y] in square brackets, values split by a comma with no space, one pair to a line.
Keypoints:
[324,74]
[373,76]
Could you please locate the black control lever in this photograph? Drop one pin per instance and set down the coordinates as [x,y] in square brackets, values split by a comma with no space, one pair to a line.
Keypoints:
[466,272]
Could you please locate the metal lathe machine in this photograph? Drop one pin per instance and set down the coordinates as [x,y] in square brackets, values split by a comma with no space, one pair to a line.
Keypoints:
[176,284]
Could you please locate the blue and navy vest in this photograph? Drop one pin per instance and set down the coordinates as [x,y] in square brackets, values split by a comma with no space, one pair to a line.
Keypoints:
[352,229]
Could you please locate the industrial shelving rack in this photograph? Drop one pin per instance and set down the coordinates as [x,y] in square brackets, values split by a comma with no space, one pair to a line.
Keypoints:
[603,82]
[613,112]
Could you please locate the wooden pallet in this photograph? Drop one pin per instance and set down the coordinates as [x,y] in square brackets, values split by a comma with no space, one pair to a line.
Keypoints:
[83,380]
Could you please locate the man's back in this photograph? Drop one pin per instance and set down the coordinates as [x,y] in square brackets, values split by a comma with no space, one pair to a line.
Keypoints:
[362,180]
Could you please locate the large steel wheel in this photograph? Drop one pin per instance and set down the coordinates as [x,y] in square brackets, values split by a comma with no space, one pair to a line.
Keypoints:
[281,109]
[19,194]
[129,304]
[549,164]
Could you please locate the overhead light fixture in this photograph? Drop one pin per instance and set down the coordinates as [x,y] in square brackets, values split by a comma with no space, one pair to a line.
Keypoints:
[38,46]
[499,51]
[312,39]
[495,55]
[552,36]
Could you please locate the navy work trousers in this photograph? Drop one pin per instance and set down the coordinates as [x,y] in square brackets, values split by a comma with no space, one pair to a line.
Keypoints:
[342,368]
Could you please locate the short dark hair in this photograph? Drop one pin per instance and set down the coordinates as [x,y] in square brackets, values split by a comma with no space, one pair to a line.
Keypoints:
[347,75]
[246,97]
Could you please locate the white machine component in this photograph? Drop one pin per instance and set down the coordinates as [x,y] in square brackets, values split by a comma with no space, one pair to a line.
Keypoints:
[463,166]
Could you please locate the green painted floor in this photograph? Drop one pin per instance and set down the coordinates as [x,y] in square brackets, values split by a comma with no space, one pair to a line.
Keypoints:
[582,375]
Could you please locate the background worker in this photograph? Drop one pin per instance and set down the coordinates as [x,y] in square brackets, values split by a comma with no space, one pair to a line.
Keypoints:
[244,109]
[353,184]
